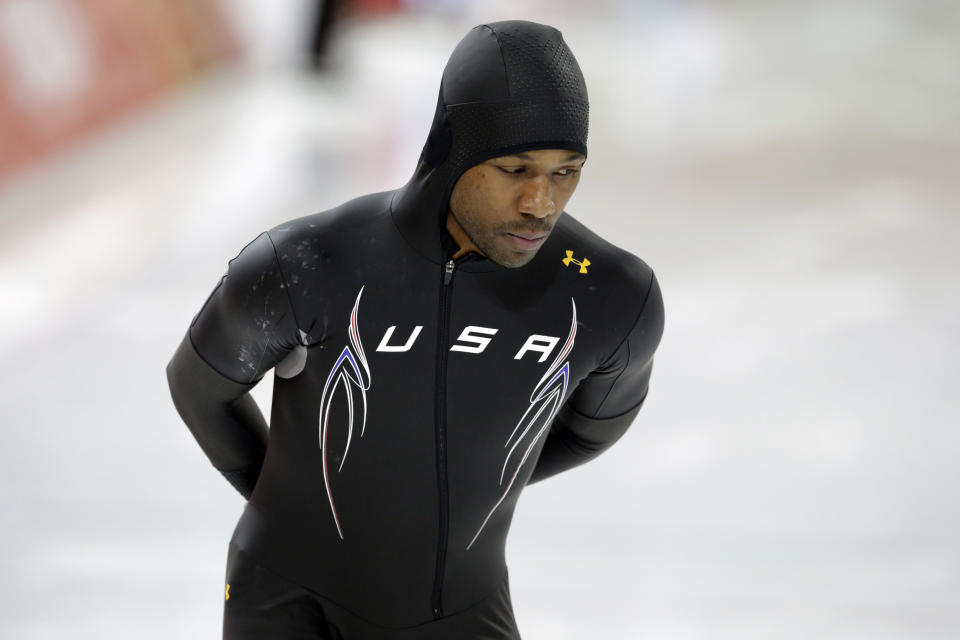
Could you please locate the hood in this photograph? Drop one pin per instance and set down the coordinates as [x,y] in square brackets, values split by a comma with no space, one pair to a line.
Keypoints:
[508,87]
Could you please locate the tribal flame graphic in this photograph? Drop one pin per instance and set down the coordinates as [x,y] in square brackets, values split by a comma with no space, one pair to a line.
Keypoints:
[346,370]
[547,395]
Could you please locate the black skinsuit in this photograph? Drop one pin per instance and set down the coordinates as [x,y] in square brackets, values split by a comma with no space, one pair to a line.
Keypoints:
[415,396]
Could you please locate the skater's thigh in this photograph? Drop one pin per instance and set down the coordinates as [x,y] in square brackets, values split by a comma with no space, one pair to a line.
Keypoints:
[259,604]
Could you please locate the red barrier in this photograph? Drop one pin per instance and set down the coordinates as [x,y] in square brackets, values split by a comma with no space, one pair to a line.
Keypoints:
[68,66]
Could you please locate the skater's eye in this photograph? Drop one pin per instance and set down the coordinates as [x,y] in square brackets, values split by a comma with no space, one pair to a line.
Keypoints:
[513,171]
[566,173]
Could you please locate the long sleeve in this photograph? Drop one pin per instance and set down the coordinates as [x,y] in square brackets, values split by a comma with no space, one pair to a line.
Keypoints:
[603,405]
[245,327]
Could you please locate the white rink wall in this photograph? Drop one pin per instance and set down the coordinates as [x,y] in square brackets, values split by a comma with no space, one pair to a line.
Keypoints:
[788,169]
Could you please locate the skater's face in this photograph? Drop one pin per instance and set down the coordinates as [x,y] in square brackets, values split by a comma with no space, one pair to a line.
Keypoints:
[508,205]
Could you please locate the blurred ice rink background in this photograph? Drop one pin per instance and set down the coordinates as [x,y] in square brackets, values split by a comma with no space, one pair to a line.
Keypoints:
[790,169]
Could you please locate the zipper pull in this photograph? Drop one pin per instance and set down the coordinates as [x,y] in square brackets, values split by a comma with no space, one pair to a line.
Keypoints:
[448,272]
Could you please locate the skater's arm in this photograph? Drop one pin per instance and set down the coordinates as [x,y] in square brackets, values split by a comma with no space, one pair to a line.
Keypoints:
[223,418]
[605,404]
[245,327]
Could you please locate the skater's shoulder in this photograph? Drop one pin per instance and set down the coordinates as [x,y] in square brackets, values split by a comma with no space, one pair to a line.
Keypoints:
[617,262]
[334,224]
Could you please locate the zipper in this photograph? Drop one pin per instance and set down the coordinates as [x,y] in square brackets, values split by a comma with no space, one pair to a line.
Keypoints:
[440,413]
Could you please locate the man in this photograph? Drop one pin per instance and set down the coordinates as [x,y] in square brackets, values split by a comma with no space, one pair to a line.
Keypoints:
[436,348]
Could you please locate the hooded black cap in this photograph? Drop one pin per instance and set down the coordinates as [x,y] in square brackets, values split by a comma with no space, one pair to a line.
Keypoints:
[508,87]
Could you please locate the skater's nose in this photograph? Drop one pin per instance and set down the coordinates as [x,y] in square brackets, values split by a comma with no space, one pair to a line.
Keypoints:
[536,197]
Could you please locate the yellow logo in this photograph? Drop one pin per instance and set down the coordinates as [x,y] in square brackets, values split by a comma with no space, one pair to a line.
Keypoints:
[227,592]
[583,264]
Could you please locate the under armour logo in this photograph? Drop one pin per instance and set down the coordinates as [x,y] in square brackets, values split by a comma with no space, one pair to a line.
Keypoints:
[583,264]
[227,592]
